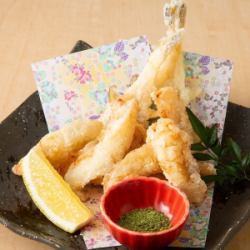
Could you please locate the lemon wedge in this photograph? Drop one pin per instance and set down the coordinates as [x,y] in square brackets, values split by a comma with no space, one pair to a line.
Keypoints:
[51,194]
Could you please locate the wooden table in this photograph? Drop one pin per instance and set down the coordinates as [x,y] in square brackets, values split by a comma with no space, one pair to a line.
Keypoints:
[32,30]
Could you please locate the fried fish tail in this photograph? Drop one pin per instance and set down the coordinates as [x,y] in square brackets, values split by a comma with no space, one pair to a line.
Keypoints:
[113,144]
[139,162]
[61,147]
[165,65]
[159,70]
[172,148]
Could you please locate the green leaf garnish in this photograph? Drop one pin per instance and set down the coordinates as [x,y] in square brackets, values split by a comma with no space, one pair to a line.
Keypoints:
[230,163]
[235,148]
[202,156]
[212,135]
[197,126]
[246,160]
[198,147]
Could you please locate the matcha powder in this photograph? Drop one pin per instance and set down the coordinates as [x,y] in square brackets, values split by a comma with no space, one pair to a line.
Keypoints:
[144,220]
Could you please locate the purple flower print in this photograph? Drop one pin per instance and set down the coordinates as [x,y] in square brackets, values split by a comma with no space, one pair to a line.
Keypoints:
[90,242]
[124,56]
[142,39]
[81,74]
[204,70]
[119,46]
[94,117]
[204,60]
[183,240]
[119,51]
[55,127]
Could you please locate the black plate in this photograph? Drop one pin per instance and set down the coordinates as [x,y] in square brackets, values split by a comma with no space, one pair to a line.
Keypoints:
[26,125]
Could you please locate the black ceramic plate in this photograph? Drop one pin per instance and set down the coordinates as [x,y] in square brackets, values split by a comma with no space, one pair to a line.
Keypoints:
[26,125]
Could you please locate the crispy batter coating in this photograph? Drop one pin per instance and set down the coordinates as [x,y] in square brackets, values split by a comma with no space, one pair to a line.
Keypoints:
[112,146]
[170,105]
[62,146]
[172,148]
[139,162]
[207,168]
[159,71]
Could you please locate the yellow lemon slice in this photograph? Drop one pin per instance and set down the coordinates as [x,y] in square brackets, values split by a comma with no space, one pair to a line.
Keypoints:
[51,194]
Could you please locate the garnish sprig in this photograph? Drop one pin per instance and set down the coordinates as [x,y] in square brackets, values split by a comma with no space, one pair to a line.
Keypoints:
[231,163]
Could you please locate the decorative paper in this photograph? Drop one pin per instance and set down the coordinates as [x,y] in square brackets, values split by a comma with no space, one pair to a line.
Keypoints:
[76,85]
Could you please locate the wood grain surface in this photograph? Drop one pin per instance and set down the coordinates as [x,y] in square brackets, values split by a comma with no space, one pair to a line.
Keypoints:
[33,30]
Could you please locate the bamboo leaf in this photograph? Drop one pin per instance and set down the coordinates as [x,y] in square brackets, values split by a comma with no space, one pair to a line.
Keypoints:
[197,126]
[231,170]
[198,147]
[235,148]
[230,163]
[202,157]
[246,160]
[217,149]
[212,135]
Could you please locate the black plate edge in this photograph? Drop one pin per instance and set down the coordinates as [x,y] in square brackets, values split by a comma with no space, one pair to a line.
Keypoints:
[246,216]
[16,228]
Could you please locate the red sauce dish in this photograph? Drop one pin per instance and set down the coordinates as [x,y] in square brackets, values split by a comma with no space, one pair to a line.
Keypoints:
[143,192]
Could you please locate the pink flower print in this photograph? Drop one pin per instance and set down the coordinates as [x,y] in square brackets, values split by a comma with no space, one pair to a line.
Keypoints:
[68,95]
[81,74]
[90,242]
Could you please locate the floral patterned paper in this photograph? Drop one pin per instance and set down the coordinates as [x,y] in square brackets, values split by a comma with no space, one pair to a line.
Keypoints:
[76,85]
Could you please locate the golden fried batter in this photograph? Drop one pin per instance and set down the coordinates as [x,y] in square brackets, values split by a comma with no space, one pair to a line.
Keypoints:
[139,162]
[170,105]
[139,137]
[172,148]
[62,146]
[112,146]
[159,71]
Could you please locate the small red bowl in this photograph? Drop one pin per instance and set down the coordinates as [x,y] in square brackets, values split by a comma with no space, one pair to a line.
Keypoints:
[143,192]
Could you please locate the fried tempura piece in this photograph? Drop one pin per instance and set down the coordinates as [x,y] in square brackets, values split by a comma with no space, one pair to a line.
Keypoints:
[139,137]
[159,70]
[113,144]
[170,105]
[165,64]
[207,168]
[61,147]
[139,162]
[172,148]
